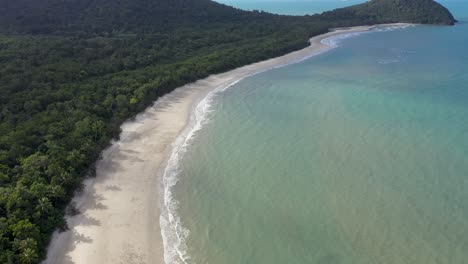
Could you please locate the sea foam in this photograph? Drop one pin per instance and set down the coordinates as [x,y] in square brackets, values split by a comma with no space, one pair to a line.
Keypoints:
[334,41]
[173,232]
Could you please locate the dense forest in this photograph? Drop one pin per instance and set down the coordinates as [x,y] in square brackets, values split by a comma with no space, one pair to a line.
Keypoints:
[71,71]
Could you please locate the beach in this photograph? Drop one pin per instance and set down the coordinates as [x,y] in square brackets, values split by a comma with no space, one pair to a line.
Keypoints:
[120,209]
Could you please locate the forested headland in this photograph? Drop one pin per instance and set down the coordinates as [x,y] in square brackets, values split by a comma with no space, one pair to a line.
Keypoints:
[72,71]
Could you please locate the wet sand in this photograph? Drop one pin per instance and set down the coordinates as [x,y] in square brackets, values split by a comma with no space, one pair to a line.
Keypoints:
[119,220]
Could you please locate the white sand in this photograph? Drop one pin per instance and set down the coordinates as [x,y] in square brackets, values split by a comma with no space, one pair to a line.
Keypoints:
[120,208]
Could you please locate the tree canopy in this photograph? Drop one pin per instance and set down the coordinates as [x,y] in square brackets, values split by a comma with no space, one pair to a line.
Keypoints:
[71,71]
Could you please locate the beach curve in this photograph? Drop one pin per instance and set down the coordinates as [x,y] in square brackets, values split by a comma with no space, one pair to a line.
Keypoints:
[127,213]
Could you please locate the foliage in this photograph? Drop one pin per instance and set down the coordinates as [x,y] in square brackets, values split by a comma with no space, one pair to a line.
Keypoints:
[391,11]
[71,71]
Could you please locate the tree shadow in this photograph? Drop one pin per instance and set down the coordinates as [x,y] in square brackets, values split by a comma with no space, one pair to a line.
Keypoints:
[88,221]
[94,202]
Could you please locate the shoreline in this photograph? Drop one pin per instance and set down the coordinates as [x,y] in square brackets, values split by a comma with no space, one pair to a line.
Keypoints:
[126,211]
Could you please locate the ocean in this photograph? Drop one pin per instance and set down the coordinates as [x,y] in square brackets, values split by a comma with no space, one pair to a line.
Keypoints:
[290,7]
[358,155]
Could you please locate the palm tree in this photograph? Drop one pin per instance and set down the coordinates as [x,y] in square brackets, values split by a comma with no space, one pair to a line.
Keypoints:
[43,205]
[56,193]
[28,256]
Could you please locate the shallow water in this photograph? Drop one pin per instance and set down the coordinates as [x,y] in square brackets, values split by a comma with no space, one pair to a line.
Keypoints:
[358,155]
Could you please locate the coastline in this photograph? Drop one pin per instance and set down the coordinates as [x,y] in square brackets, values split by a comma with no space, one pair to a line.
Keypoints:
[121,209]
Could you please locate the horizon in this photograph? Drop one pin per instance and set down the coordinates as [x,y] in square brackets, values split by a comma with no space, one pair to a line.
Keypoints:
[295,7]
[309,7]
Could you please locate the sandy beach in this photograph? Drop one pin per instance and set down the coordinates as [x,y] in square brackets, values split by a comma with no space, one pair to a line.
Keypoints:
[119,220]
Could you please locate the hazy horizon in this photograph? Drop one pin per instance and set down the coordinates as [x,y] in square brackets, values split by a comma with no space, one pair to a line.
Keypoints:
[298,7]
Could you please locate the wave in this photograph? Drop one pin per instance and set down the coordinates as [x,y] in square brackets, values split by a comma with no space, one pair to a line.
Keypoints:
[335,41]
[173,232]
[390,61]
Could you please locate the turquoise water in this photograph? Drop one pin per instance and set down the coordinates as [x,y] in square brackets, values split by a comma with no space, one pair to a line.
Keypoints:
[355,156]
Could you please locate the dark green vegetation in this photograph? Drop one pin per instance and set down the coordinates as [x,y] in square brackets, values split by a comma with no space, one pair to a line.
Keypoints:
[390,11]
[71,71]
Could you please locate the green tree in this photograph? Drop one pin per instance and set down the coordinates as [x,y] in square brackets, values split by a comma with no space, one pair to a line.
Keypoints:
[44,206]
[72,71]
[28,256]
[24,229]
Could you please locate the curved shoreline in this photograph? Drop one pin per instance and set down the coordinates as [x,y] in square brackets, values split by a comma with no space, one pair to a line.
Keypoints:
[120,207]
